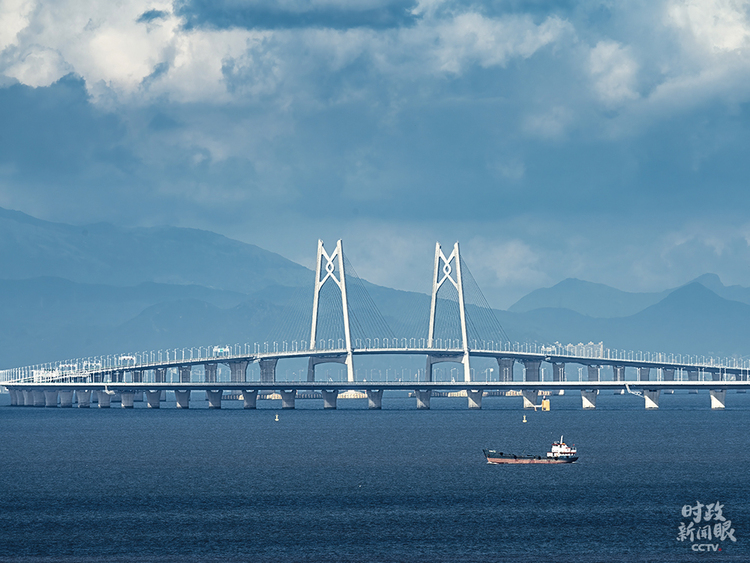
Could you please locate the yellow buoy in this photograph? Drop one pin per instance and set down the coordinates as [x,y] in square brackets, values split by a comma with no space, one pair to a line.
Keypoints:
[545,405]
[524,418]
[277,418]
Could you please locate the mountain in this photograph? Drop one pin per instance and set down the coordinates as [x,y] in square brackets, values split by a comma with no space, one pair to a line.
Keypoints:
[105,254]
[587,298]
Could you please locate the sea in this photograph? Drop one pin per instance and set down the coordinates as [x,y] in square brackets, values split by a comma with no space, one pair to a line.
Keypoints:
[394,485]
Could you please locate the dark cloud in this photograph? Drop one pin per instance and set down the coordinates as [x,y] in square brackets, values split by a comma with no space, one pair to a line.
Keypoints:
[270,15]
[151,15]
[54,133]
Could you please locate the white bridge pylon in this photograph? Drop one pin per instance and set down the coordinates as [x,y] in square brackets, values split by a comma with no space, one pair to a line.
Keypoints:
[328,272]
[445,272]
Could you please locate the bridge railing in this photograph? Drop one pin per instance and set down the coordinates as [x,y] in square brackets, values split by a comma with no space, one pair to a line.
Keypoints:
[80,368]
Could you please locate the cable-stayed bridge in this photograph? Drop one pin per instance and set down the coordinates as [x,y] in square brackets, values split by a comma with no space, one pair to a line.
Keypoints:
[343,323]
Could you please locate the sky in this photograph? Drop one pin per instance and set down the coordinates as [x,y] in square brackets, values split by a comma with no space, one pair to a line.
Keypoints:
[600,140]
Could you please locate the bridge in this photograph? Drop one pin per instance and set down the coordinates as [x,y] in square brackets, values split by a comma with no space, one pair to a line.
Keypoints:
[458,330]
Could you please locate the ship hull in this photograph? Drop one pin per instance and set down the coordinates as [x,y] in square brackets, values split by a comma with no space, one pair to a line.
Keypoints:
[525,460]
[499,458]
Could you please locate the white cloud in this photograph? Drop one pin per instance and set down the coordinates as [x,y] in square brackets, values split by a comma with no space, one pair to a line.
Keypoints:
[613,71]
[716,25]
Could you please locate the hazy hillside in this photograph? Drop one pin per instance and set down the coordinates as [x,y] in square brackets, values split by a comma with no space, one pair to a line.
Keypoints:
[70,291]
[586,298]
[104,254]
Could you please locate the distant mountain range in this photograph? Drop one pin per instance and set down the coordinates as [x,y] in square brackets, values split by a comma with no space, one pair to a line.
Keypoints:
[71,291]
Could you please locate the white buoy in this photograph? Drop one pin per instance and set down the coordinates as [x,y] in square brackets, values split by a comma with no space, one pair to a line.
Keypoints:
[524,418]
[277,418]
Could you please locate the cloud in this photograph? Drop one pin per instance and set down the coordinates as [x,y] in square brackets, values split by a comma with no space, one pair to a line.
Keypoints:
[613,71]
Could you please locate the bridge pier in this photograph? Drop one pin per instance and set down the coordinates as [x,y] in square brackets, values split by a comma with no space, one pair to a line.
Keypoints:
[651,399]
[375,399]
[238,371]
[288,398]
[558,372]
[693,376]
[209,371]
[186,373]
[532,369]
[268,370]
[644,374]
[718,398]
[50,398]
[330,396]
[423,398]
[249,398]
[154,399]
[588,399]
[66,399]
[214,398]
[127,398]
[505,368]
[529,398]
[474,397]
[182,398]
[104,399]
[39,400]
[594,373]
[83,398]
[13,397]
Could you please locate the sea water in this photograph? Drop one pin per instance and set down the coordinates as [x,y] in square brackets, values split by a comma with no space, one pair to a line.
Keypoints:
[351,484]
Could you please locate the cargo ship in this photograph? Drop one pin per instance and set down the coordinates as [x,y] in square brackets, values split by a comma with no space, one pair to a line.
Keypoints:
[560,453]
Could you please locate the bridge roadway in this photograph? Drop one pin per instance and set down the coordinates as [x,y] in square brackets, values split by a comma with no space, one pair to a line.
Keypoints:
[107,381]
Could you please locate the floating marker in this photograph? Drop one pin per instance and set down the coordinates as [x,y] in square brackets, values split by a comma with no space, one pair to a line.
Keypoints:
[524,418]
[277,418]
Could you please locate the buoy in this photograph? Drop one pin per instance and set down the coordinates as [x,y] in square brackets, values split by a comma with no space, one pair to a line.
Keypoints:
[277,418]
[524,418]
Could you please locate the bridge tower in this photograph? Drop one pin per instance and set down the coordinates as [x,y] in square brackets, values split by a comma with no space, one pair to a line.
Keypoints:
[324,272]
[443,272]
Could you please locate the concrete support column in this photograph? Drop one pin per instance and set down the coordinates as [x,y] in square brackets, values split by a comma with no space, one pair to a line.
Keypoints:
[505,368]
[668,374]
[214,398]
[182,398]
[651,399]
[375,398]
[210,372]
[423,398]
[718,398]
[593,373]
[693,376]
[644,374]
[154,399]
[475,398]
[39,399]
[715,376]
[28,398]
[127,398]
[288,398]
[558,372]
[118,376]
[618,373]
[330,397]
[83,398]
[137,376]
[249,398]
[66,399]
[238,371]
[529,398]
[13,397]
[532,369]
[50,398]
[186,373]
[160,375]
[104,399]
[268,370]
[588,398]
